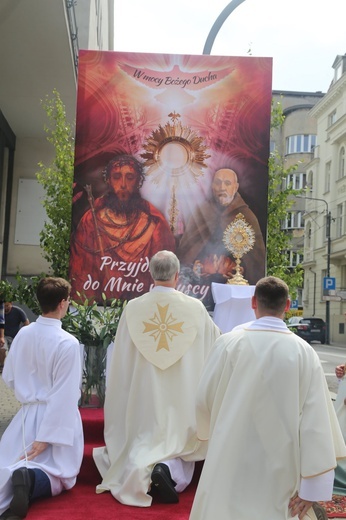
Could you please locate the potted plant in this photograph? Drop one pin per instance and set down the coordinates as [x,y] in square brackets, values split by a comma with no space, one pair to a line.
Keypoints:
[95,327]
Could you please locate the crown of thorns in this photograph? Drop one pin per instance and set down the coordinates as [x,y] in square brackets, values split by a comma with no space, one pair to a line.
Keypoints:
[125,160]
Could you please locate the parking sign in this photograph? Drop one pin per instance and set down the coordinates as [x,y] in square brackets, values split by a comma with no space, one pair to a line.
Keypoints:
[329,283]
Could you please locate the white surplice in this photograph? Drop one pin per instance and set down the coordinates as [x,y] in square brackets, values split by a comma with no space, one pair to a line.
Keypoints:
[264,404]
[151,391]
[43,368]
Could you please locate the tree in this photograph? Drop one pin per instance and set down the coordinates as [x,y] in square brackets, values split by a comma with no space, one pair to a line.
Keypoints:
[57,180]
[280,199]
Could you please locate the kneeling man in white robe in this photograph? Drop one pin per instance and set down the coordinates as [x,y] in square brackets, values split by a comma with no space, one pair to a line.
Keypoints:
[160,348]
[41,450]
[264,405]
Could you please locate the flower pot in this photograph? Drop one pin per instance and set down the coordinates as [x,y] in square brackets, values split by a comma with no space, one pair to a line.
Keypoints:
[94,376]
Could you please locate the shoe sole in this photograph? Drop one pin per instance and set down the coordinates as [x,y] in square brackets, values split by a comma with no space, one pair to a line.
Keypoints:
[9,515]
[164,487]
[21,489]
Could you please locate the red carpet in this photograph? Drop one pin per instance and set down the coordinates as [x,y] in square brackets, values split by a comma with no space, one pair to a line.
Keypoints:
[81,502]
[335,508]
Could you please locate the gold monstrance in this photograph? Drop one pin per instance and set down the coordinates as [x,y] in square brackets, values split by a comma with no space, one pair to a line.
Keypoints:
[239,239]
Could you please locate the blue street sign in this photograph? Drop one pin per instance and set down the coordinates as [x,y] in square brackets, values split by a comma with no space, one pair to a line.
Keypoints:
[329,283]
[294,304]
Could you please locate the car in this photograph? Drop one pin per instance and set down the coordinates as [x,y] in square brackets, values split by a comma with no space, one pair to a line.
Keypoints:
[310,329]
[294,320]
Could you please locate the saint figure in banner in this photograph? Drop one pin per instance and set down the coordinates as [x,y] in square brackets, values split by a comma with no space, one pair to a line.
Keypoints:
[118,234]
[202,245]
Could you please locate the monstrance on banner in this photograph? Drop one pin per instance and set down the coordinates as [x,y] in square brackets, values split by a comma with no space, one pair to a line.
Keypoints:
[169,150]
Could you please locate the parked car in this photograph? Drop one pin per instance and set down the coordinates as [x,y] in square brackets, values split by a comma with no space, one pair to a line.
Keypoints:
[294,320]
[310,329]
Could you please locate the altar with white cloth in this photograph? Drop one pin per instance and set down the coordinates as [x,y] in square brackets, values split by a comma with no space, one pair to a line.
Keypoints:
[232,305]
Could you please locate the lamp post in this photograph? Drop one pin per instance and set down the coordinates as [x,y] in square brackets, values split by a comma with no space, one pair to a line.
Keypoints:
[218,24]
[328,222]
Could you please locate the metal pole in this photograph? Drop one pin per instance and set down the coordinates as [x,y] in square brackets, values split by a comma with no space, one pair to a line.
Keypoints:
[218,24]
[328,222]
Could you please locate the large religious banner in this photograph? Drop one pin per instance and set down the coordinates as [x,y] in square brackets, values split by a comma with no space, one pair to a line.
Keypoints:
[171,153]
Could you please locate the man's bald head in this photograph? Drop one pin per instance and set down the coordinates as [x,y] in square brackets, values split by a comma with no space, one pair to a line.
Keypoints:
[225,185]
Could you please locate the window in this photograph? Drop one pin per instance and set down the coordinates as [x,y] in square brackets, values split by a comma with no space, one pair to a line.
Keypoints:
[300,143]
[341,172]
[339,220]
[297,181]
[343,276]
[272,146]
[332,117]
[311,181]
[299,216]
[338,72]
[308,235]
[293,220]
[288,221]
[327,226]
[300,296]
[294,258]
[298,258]
[327,177]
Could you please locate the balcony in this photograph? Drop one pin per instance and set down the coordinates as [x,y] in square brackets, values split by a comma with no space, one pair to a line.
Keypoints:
[36,58]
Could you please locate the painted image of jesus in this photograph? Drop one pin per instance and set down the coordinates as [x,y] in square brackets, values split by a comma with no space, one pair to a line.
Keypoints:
[116,237]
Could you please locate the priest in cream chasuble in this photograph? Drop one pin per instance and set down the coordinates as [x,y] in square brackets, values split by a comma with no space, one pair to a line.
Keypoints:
[264,406]
[160,348]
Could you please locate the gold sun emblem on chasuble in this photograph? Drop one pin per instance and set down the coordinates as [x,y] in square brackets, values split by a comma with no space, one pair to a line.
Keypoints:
[163,327]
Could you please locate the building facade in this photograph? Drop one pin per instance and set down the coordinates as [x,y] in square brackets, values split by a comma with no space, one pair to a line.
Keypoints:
[39,53]
[295,141]
[324,264]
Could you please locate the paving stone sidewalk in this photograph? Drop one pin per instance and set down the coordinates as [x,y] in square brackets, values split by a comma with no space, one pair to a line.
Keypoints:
[8,406]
